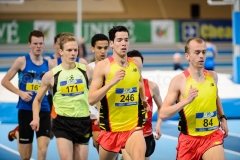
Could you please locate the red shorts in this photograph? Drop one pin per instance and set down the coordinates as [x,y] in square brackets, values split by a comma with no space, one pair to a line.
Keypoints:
[113,141]
[94,127]
[193,147]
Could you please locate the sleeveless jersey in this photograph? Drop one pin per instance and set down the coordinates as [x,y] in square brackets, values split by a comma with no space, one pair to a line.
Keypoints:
[199,118]
[59,60]
[209,62]
[70,91]
[92,64]
[120,106]
[29,80]
[94,114]
[147,130]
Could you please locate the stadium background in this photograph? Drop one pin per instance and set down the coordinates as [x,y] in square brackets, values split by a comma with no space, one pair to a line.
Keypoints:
[158,28]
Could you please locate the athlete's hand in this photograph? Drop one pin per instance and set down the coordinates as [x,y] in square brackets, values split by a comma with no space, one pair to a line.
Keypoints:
[26,96]
[119,75]
[97,122]
[158,132]
[193,92]
[35,124]
[224,127]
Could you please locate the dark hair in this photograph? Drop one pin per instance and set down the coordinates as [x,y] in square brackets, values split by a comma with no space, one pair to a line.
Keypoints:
[98,37]
[115,29]
[135,53]
[35,33]
[199,40]
[56,37]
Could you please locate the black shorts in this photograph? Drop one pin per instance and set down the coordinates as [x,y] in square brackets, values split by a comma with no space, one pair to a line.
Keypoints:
[78,130]
[150,144]
[25,131]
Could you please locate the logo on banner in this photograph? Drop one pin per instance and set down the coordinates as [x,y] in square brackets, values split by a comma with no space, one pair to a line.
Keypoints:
[162,31]
[189,30]
[48,28]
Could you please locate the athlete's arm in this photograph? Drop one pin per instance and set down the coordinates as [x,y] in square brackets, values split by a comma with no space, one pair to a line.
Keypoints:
[220,111]
[169,109]
[83,61]
[158,100]
[47,82]
[97,92]
[18,65]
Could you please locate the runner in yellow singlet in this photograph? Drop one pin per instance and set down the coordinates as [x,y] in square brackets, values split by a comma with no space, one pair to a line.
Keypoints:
[116,82]
[69,82]
[199,107]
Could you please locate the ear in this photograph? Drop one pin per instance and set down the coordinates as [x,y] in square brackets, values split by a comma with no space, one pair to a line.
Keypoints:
[92,49]
[111,44]
[29,44]
[187,56]
[61,52]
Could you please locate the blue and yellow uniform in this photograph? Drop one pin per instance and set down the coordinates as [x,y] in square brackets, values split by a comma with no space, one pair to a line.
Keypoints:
[209,61]
[29,80]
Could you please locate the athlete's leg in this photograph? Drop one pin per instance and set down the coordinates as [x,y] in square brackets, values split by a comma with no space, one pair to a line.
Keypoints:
[42,147]
[81,151]
[214,153]
[136,146]
[65,148]
[94,138]
[125,155]
[104,154]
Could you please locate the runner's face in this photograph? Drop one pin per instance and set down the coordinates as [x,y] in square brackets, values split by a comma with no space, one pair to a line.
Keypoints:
[197,54]
[100,50]
[69,52]
[120,44]
[36,45]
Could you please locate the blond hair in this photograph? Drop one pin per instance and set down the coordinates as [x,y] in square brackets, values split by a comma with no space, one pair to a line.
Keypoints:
[66,37]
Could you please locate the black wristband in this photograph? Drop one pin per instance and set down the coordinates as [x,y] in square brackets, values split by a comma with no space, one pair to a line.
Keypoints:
[223,116]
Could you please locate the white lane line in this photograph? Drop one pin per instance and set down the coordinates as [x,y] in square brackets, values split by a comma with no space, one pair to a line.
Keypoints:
[225,150]
[11,150]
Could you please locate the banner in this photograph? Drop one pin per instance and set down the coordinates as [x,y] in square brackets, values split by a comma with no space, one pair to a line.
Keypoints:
[13,32]
[215,30]
[162,31]
[48,29]
[139,31]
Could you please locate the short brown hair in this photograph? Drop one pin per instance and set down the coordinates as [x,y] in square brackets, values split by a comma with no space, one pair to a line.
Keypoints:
[66,37]
[35,33]
[199,40]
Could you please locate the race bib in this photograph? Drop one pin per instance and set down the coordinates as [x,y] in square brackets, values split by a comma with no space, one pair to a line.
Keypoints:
[75,88]
[32,87]
[126,96]
[206,121]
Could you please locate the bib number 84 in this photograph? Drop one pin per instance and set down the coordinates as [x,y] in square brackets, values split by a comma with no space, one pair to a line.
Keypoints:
[207,122]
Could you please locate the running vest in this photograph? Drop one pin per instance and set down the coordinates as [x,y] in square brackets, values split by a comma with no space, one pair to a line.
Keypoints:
[147,130]
[94,114]
[120,106]
[199,118]
[29,80]
[70,91]
[59,60]
[209,62]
